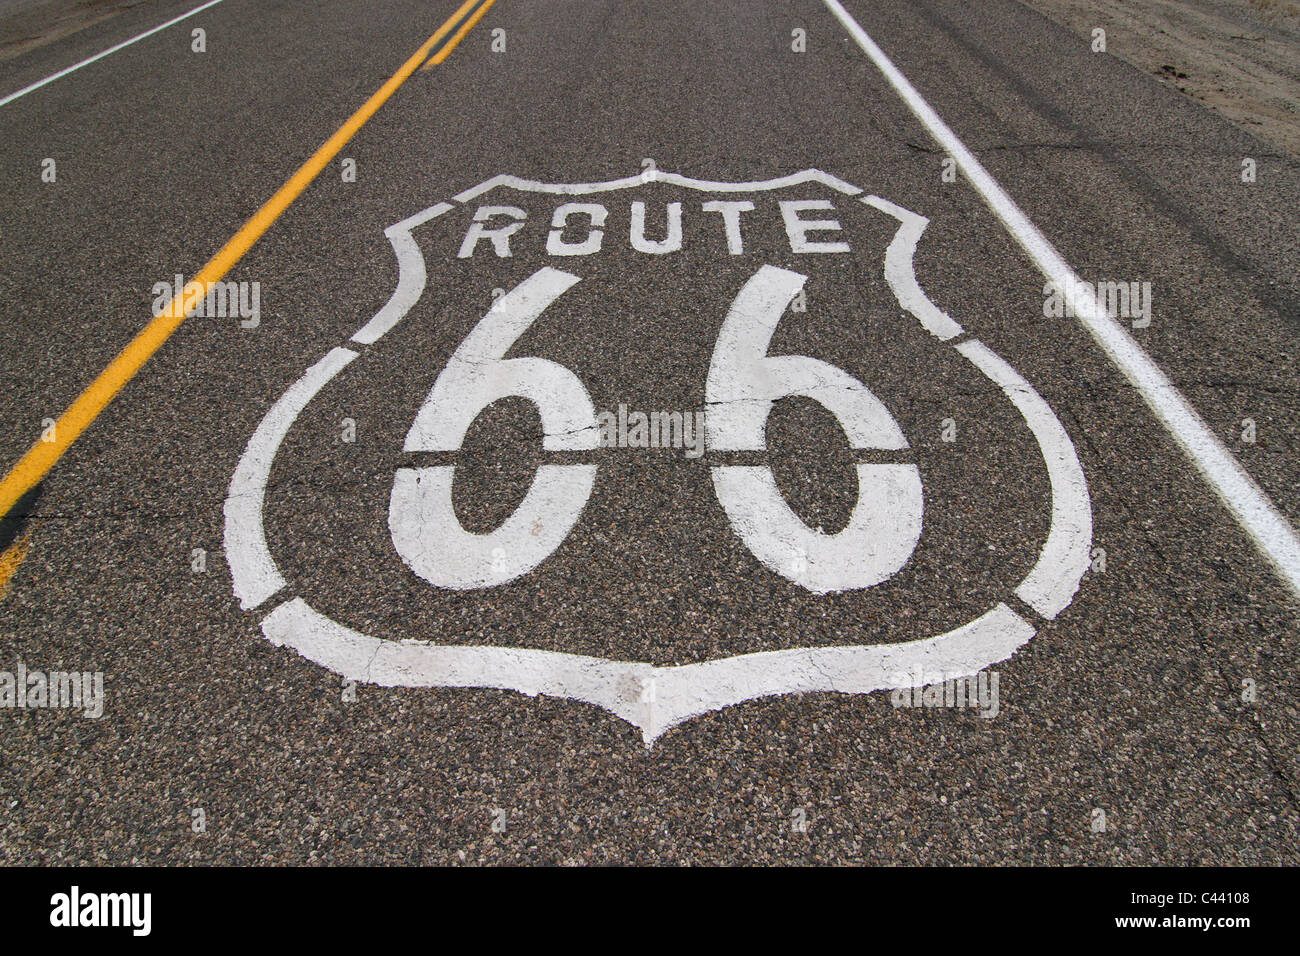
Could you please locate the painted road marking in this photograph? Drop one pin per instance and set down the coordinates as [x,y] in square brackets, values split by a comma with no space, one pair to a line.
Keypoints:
[1271,532]
[491,231]
[1050,586]
[451,44]
[425,530]
[676,694]
[410,262]
[42,456]
[99,56]
[654,699]
[743,384]
[10,560]
[252,568]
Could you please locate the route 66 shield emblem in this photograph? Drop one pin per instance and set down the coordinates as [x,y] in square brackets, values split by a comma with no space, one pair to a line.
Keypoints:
[666,347]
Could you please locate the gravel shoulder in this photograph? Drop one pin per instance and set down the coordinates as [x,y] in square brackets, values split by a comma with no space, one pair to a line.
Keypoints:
[1241,58]
[26,25]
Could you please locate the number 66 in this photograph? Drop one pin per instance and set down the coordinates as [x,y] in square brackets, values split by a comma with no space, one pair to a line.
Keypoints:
[743,383]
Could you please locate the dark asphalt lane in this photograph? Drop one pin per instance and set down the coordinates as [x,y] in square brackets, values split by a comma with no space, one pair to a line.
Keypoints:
[1129,702]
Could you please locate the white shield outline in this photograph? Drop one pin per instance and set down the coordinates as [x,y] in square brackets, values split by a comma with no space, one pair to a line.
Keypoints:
[655,699]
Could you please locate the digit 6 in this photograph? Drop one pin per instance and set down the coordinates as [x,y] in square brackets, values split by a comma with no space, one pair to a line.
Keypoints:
[424,527]
[743,383]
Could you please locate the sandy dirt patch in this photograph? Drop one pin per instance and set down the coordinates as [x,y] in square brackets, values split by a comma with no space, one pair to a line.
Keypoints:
[28,24]
[1239,57]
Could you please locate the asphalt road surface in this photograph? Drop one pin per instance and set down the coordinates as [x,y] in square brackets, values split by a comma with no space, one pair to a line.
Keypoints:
[383,565]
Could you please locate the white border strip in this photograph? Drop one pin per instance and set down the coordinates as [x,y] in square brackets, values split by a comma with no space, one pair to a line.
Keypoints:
[678,693]
[900,271]
[657,176]
[252,569]
[99,56]
[1051,585]
[411,276]
[1272,534]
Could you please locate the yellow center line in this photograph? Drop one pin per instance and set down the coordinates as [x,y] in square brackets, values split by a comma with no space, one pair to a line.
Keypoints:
[11,559]
[43,455]
[460,35]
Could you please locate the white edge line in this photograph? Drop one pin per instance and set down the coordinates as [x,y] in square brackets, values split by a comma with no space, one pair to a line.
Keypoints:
[99,56]
[1271,532]
[252,569]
